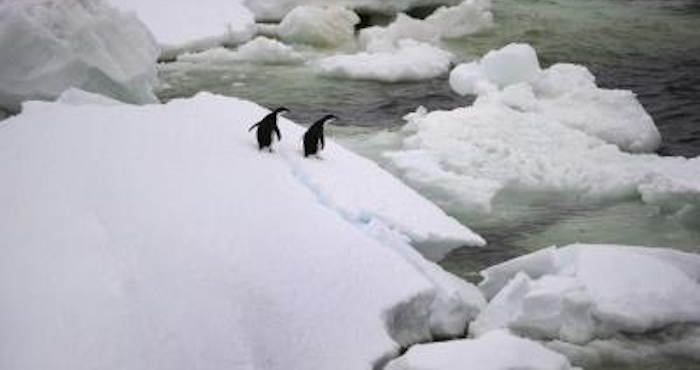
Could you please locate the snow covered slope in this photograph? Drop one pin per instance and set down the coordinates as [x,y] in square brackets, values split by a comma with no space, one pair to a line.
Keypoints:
[180,25]
[159,237]
[51,45]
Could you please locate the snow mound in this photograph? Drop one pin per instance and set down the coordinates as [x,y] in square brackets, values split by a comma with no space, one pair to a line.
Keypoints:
[193,26]
[411,61]
[468,156]
[584,293]
[276,10]
[160,237]
[563,92]
[51,45]
[498,350]
[319,26]
[259,50]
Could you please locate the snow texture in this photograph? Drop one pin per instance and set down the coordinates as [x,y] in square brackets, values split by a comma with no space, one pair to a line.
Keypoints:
[193,25]
[410,61]
[52,45]
[498,350]
[259,50]
[276,10]
[319,26]
[159,237]
[593,293]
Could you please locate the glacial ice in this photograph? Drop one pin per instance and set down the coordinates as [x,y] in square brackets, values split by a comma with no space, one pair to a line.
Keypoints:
[51,45]
[193,25]
[259,50]
[160,237]
[497,350]
[546,133]
[410,61]
[598,300]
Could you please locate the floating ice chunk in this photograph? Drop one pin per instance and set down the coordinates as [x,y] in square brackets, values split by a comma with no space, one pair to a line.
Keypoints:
[320,26]
[469,17]
[596,291]
[379,39]
[160,237]
[412,61]
[51,45]
[259,50]
[566,93]
[276,10]
[534,265]
[193,26]
[497,350]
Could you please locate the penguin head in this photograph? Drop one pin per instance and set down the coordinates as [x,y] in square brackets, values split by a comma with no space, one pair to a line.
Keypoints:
[328,118]
[281,110]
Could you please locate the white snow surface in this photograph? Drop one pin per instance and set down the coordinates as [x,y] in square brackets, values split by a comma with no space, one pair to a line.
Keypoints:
[595,291]
[497,350]
[276,10]
[319,26]
[52,45]
[185,25]
[159,237]
[563,92]
[410,61]
[259,50]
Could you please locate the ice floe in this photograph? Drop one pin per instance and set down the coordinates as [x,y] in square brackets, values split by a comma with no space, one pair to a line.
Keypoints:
[595,303]
[160,237]
[259,50]
[184,25]
[542,132]
[319,26]
[410,61]
[51,45]
[497,350]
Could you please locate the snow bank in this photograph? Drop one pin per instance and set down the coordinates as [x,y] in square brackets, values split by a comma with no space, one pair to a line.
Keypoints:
[320,26]
[587,294]
[193,25]
[498,350]
[564,92]
[411,61]
[160,237]
[50,45]
[259,50]
[276,10]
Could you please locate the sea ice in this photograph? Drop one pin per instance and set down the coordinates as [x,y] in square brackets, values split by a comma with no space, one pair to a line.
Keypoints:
[160,237]
[276,10]
[52,45]
[598,299]
[539,136]
[185,25]
[497,350]
[410,61]
[319,26]
[259,50]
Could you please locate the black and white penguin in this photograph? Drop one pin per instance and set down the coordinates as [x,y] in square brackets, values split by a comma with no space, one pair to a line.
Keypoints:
[266,127]
[314,135]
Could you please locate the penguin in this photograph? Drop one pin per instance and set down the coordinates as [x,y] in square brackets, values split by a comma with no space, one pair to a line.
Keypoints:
[266,127]
[314,135]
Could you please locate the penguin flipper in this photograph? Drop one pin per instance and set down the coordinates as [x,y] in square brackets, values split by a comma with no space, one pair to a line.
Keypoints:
[253,126]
